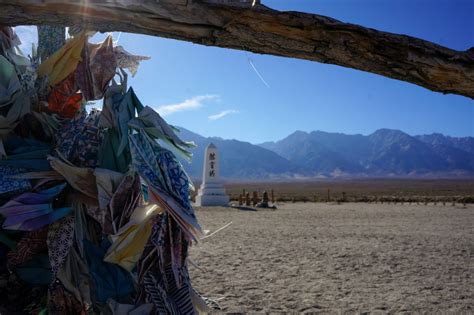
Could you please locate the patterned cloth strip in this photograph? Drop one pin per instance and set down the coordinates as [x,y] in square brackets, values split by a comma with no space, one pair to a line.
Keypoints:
[165,294]
[64,98]
[110,280]
[31,211]
[8,186]
[171,249]
[79,140]
[125,199]
[50,40]
[163,172]
[64,61]
[8,38]
[14,101]
[128,61]
[31,244]
[96,69]
[60,301]
[60,240]
[157,128]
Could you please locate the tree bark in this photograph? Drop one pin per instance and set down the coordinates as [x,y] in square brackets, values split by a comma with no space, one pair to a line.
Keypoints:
[262,30]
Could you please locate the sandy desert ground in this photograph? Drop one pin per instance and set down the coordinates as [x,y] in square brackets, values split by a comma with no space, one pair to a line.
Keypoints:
[316,257]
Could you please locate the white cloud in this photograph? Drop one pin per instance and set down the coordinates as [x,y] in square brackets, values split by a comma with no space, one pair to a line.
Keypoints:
[28,35]
[223,114]
[189,104]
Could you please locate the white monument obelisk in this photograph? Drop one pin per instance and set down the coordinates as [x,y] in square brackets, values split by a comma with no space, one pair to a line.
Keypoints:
[212,192]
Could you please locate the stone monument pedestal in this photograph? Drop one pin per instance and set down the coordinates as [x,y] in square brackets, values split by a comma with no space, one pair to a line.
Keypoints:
[212,192]
[212,195]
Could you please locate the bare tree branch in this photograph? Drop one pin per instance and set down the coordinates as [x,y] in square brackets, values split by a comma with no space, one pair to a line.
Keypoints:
[262,30]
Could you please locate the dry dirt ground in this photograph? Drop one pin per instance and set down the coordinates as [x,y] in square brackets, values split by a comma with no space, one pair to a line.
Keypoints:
[316,257]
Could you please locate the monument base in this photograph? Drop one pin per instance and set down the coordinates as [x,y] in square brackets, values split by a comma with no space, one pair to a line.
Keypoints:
[212,195]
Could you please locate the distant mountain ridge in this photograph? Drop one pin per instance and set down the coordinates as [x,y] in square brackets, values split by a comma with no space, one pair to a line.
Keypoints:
[239,160]
[318,154]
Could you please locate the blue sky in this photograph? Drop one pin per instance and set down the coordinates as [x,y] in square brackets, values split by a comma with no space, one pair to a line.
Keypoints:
[217,92]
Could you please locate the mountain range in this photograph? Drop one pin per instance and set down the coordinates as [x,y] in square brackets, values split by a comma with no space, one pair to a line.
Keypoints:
[318,154]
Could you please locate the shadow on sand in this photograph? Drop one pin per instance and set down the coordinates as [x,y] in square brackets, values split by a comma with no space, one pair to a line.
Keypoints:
[242,208]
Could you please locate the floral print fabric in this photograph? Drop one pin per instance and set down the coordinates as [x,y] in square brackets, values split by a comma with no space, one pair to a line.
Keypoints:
[60,240]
